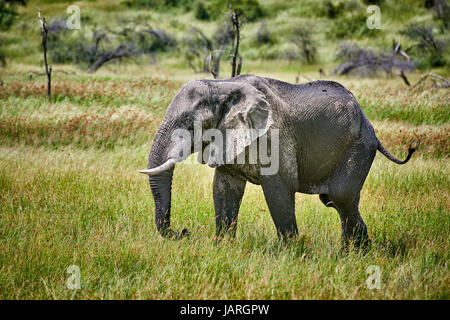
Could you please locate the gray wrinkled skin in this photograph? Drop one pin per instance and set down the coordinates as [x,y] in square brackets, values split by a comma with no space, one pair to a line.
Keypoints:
[327,146]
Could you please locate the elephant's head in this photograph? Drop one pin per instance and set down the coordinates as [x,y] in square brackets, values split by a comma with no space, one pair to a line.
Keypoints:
[211,104]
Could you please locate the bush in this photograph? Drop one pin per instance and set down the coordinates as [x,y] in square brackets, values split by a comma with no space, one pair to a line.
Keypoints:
[428,49]
[153,41]
[69,46]
[375,2]
[7,15]
[158,4]
[366,62]
[331,10]
[306,46]
[263,35]
[353,25]
[200,11]
[250,9]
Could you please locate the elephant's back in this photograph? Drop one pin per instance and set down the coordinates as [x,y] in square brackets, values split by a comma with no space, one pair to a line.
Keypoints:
[326,122]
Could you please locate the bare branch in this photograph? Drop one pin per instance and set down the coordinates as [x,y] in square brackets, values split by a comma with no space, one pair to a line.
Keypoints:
[124,50]
[48,70]
[444,84]
[237,27]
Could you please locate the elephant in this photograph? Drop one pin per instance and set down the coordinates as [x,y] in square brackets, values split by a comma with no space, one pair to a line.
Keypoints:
[326,146]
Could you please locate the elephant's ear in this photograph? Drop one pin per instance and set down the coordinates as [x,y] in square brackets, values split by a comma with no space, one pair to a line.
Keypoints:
[246,117]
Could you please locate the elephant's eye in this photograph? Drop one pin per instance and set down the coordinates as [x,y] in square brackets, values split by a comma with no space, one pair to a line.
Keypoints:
[187,122]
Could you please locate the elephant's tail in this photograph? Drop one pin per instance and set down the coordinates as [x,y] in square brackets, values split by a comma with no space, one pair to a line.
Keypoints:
[411,150]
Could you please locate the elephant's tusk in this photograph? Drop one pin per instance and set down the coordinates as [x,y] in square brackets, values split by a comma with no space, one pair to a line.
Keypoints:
[164,167]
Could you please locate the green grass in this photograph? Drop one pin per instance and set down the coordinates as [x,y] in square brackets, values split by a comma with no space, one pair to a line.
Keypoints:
[94,210]
[70,194]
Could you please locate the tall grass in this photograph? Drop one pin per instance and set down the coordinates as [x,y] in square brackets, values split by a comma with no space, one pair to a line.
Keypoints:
[70,194]
[93,210]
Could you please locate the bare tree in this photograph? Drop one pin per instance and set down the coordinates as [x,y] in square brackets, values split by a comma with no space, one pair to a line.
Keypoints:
[238,24]
[215,57]
[199,50]
[303,40]
[48,70]
[124,50]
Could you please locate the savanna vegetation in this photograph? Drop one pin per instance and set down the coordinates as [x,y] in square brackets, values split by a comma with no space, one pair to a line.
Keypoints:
[70,193]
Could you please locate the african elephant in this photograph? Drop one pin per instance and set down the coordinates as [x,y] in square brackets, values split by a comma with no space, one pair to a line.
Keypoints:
[326,146]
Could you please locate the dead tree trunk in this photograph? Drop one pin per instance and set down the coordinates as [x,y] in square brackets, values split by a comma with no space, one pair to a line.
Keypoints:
[121,51]
[48,70]
[215,63]
[237,26]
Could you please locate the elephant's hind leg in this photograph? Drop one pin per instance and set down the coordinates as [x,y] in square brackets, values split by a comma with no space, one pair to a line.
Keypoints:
[353,227]
[344,193]
[281,202]
[227,193]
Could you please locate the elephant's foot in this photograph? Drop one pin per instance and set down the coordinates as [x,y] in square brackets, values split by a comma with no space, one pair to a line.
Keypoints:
[170,234]
[359,240]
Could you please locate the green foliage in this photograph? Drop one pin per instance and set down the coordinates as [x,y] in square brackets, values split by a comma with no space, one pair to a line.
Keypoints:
[200,11]
[441,12]
[250,9]
[332,9]
[70,194]
[7,15]
[306,45]
[157,4]
[351,26]
[263,35]
[428,49]
[375,2]
[153,41]
[70,47]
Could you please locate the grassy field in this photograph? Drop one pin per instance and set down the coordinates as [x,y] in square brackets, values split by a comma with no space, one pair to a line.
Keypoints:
[70,194]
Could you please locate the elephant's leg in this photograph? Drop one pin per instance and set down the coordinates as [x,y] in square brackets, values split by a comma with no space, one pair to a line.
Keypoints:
[353,227]
[227,192]
[281,202]
[344,192]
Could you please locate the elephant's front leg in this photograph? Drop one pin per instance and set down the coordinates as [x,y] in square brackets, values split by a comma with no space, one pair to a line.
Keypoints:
[281,202]
[227,192]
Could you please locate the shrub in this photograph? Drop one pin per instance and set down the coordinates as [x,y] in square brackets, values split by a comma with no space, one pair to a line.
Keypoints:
[331,10]
[153,40]
[200,11]
[366,62]
[263,35]
[158,4]
[8,13]
[427,48]
[441,11]
[250,9]
[306,45]
[68,46]
[353,25]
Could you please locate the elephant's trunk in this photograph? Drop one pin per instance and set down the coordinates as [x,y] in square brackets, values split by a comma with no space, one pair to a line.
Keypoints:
[160,177]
